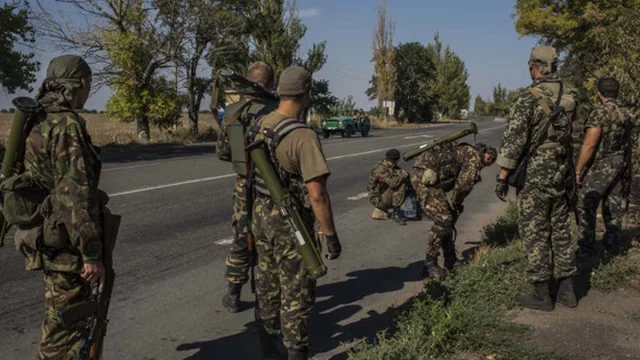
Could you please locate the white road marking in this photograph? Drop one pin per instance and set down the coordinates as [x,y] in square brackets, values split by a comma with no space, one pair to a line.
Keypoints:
[172,185]
[195,181]
[359,196]
[417,136]
[225,241]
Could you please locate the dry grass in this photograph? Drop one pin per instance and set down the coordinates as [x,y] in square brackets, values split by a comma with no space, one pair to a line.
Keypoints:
[104,131]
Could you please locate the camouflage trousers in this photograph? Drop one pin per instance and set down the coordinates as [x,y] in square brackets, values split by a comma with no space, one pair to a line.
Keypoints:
[601,185]
[285,292]
[62,289]
[240,258]
[543,219]
[390,198]
[437,207]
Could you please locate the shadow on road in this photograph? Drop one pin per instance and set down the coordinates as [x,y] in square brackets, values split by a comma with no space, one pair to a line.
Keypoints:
[339,307]
[155,152]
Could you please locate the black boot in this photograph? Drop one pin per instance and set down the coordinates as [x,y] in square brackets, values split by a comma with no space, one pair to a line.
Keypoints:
[539,299]
[451,262]
[298,354]
[431,268]
[566,294]
[231,300]
[269,347]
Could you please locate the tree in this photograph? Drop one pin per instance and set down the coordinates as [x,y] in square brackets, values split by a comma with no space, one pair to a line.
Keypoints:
[321,98]
[128,46]
[415,73]
[451,89]
[384,56]
[597,38]
[346,106]
[17,69]
[479,106]
[500,100]
[204,30]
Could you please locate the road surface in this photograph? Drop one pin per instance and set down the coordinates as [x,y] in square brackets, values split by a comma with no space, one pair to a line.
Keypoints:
[169,259]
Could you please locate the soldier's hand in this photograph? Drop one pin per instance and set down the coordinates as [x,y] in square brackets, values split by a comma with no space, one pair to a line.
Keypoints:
[502,188]
[333,246]
[93,273]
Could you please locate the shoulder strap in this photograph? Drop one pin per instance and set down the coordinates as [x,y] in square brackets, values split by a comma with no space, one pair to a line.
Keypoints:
[284,128]
[545,107]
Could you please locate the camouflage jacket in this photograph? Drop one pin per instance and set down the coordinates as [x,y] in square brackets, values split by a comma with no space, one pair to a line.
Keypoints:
[391,176]
[465,163]
[59,155]
[250,112]
[527,119]
[611,120]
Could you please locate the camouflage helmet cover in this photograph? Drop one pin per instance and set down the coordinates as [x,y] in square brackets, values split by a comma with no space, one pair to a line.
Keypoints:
[546,57]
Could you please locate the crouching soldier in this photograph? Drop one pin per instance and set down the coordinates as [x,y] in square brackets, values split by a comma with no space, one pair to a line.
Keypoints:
[387,188]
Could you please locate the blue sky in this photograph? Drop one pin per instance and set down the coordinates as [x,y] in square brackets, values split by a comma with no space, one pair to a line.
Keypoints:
[481,32]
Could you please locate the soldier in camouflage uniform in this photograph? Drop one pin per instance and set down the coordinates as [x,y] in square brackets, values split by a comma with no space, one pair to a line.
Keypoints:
[67,247]
[244,111]
[543,203]
[447,168]
[387,186]
[285,291]
[605,137]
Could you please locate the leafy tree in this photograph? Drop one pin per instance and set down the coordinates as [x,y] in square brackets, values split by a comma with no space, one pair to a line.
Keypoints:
[12,110]
[346,106]
[384,56]
[4,111]
[500,101]
[17,69]
[415,71]
[321,98]
[598,38]
[451,89]
[479,106]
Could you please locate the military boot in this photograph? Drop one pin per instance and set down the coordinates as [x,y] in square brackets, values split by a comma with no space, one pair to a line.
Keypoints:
[539,299]
[231,300]
[431,268]
[566,294]
[379,214]
[298,354]
[269,347]
[451,261]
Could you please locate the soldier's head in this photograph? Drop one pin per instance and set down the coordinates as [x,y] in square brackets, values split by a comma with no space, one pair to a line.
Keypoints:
[68,82]
[543,62]
[608,88]
[392,156]
[294,89]
[488,154]
[261,73]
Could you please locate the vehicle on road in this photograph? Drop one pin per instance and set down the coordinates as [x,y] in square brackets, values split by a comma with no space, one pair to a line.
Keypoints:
[346,126]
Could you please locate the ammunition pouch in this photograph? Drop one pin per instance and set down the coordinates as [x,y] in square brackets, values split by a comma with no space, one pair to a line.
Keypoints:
[21,198]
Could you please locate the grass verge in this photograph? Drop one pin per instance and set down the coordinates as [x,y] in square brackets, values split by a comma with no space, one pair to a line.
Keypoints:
[464,316]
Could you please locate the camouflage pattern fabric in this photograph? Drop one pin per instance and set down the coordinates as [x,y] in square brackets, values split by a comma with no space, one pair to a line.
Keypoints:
[240,257]
[391,194]
[59,154]
[434,198]
[602,181]
[543,203]
[62,289]
[285,292]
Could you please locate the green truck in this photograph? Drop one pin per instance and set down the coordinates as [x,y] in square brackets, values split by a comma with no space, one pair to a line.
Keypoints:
[346,126]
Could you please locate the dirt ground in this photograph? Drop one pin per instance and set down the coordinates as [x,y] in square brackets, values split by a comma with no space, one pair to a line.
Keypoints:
[104,131]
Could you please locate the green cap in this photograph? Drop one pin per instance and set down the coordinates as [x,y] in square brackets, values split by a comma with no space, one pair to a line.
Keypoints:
[294,81]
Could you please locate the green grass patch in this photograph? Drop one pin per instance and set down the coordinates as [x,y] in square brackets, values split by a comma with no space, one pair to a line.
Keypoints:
[618,271]
[464,316]
[635,315]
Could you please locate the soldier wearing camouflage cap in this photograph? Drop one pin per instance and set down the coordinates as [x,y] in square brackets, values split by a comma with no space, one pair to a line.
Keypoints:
[540,127]
[285,291]
[447,168]
[387,187]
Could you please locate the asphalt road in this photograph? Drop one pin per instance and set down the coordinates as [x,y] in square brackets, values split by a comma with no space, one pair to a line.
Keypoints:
[169,260]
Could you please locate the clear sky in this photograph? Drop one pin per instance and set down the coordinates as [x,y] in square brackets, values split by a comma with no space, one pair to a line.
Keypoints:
[481,32]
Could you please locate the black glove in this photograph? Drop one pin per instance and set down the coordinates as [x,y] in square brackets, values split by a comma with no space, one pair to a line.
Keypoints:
[502,188]
[333,246]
